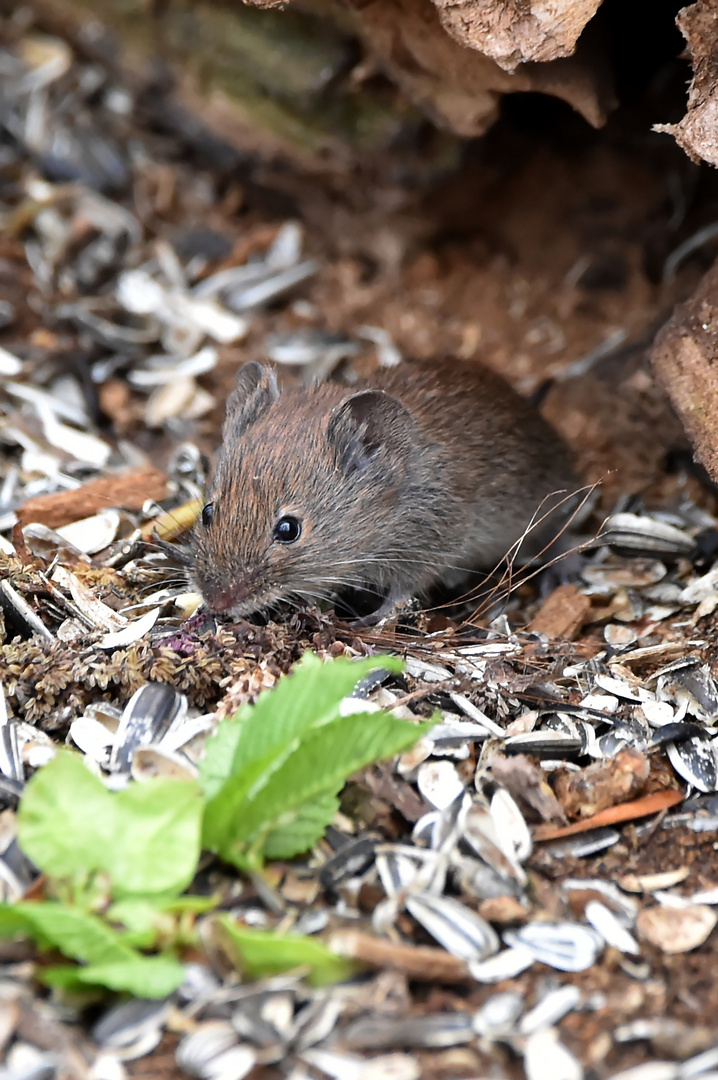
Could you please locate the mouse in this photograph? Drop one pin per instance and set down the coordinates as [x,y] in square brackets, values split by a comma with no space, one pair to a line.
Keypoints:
[425,475]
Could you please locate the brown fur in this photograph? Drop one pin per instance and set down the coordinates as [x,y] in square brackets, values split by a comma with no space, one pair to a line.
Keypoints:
[433,473]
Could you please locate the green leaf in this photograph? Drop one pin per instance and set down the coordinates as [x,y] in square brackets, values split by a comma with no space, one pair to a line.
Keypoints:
[74,932]
[143,976]
[309,775]
[146,837]
[14,923]
[271,773]
[309,697]
[233,796]
[260,953]
[62,818]
[146,918]
[138,920]
[299,833]
[110,960]
[157,837]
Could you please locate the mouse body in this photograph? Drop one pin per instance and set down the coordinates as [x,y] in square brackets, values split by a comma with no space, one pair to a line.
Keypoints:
[426,475]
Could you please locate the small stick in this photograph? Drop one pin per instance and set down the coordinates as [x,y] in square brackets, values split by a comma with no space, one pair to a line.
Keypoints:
[417,961]
[629,811]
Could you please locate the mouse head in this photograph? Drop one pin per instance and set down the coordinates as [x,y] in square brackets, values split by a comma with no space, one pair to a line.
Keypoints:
[306,493]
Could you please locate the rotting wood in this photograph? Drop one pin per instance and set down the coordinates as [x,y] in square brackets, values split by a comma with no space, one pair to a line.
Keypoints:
[460,87]
[512,32]
[685,357]
[509,31]
[285,82]
[277,85]
[697,132]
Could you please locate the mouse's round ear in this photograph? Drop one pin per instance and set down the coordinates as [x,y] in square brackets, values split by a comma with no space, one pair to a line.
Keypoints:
[367,423]
[255,391]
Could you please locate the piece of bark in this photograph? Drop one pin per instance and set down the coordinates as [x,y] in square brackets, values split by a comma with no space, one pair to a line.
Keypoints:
[128,491]
[697,132]
[685,357]
[512,32]
[563,613]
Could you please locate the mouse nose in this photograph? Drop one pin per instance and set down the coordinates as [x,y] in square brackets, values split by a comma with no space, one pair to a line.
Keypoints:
[215,597]
[224,599]
[218,602]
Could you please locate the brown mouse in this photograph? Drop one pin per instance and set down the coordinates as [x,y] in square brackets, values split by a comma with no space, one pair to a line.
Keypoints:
[424,476]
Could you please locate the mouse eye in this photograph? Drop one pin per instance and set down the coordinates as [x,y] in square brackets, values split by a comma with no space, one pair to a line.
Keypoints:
[287,530]
[207,514]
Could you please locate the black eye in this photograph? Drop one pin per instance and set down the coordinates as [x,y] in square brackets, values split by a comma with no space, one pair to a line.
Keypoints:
[287,530]
[207,514]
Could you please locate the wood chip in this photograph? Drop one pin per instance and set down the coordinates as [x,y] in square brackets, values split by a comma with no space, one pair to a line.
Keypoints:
[563,613]
[503,910]
[129,491]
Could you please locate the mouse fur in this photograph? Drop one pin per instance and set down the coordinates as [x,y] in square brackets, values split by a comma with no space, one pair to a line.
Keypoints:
[428,474]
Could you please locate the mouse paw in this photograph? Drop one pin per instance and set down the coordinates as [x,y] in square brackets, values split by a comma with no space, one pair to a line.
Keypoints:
[389,606]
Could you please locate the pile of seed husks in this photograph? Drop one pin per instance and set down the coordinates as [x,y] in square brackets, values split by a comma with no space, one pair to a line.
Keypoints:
[533,888]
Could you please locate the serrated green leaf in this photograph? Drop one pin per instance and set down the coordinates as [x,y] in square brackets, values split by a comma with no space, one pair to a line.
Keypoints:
[315,769]
[14,923]
[146,837]
[143,976]
[260,953]
[301,828]
[308,698]
[76,933]
[232,797]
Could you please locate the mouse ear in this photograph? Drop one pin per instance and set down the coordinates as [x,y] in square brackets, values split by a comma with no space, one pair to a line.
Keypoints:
[366,423]
[255,391]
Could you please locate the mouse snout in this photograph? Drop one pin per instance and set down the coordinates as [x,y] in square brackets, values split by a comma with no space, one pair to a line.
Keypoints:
[219,602]
[228,599]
